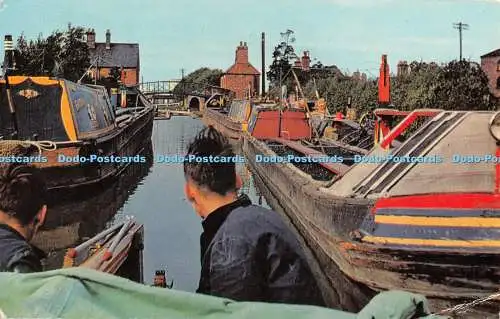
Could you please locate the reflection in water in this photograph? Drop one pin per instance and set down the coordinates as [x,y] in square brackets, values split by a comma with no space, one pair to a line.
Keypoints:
[71,220]
[171,227]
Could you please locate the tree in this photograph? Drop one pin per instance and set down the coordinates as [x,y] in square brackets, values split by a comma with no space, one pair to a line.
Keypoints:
[338,88]
[417,89]
[115,74]
[458,85]
[283,54]
[62,54]
[198,80]
[462,85]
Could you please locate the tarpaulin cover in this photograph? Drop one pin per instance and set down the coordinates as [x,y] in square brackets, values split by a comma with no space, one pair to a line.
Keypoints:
[85,293]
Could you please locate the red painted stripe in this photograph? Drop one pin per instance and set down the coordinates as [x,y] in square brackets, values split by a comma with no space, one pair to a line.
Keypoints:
[451,201]
[405,123]
[390,112]
[398,130]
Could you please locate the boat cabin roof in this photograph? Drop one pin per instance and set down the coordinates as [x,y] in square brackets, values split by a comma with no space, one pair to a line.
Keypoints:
[55,109]
[454,152]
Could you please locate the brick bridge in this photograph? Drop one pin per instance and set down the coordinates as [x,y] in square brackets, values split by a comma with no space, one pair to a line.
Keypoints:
[194,95]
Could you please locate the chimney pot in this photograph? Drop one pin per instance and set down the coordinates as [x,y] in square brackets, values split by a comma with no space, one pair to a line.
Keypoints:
[244,44]
[242,53]
[108,39]
[91,39]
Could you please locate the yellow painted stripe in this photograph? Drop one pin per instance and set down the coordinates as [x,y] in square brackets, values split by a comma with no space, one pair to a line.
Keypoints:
[485,222]
[432,242]
[66,114]
[40,80]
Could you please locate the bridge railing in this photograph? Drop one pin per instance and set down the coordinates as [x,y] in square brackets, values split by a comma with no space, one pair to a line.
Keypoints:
[167,87]
[158,86]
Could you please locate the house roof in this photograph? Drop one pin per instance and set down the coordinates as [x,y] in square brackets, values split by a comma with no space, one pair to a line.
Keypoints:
[120,54]
[492,54]
[242,68]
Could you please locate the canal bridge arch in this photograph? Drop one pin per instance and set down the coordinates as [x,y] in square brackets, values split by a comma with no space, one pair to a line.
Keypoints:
[195,103]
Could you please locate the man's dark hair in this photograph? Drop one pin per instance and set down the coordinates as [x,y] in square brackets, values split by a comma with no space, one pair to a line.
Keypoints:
[217,177]
[23,191]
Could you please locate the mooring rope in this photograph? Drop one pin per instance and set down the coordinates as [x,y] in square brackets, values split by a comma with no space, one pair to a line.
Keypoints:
[464,307]
[40,145]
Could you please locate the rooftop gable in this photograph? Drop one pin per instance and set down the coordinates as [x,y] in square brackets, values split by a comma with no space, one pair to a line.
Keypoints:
[120,55]
[492,54]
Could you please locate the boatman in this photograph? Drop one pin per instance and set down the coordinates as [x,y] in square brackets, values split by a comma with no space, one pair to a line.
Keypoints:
[247,251]
[22,212]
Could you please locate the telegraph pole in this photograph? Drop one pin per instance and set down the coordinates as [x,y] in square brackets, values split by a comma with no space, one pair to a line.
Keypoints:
[460,27]
[263,57]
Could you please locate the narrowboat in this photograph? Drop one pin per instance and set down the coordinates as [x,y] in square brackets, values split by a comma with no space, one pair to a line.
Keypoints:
[232,123]
[259,120]
[420,214]
[82,138]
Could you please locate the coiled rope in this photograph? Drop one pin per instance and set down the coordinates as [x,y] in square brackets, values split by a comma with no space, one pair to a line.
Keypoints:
[9,147]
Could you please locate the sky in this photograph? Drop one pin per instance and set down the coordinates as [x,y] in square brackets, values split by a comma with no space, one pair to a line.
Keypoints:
[188,34]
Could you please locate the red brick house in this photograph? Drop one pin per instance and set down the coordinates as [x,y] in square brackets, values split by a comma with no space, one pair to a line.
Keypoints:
[124,56]
[490,63]
[241,76]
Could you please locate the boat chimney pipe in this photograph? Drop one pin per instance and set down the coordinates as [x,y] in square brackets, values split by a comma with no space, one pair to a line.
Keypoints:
[8,62]
[263,89]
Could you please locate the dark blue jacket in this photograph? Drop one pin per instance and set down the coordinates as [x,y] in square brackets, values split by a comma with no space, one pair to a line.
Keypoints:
[249,254]
[16,254]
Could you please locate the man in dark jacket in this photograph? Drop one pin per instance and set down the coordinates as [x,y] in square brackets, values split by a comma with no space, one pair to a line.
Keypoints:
[22,212]
[247,252]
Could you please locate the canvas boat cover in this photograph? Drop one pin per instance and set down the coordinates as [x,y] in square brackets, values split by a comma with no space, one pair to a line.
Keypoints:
[427,157]
[85,293]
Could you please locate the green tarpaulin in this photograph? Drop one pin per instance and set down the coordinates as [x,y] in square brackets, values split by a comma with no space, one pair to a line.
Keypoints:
[85,293]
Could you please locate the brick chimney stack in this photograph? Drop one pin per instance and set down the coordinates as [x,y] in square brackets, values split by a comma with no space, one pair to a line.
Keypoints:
[91,39]
[108,40]
[403,68]
[242,53]
[306,61]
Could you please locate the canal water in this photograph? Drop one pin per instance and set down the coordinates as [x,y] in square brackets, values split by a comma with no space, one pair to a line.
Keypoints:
[153,194]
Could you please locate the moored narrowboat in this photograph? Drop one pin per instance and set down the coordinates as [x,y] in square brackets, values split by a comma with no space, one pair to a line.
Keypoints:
[259,120]
[411,215]
[83,139]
